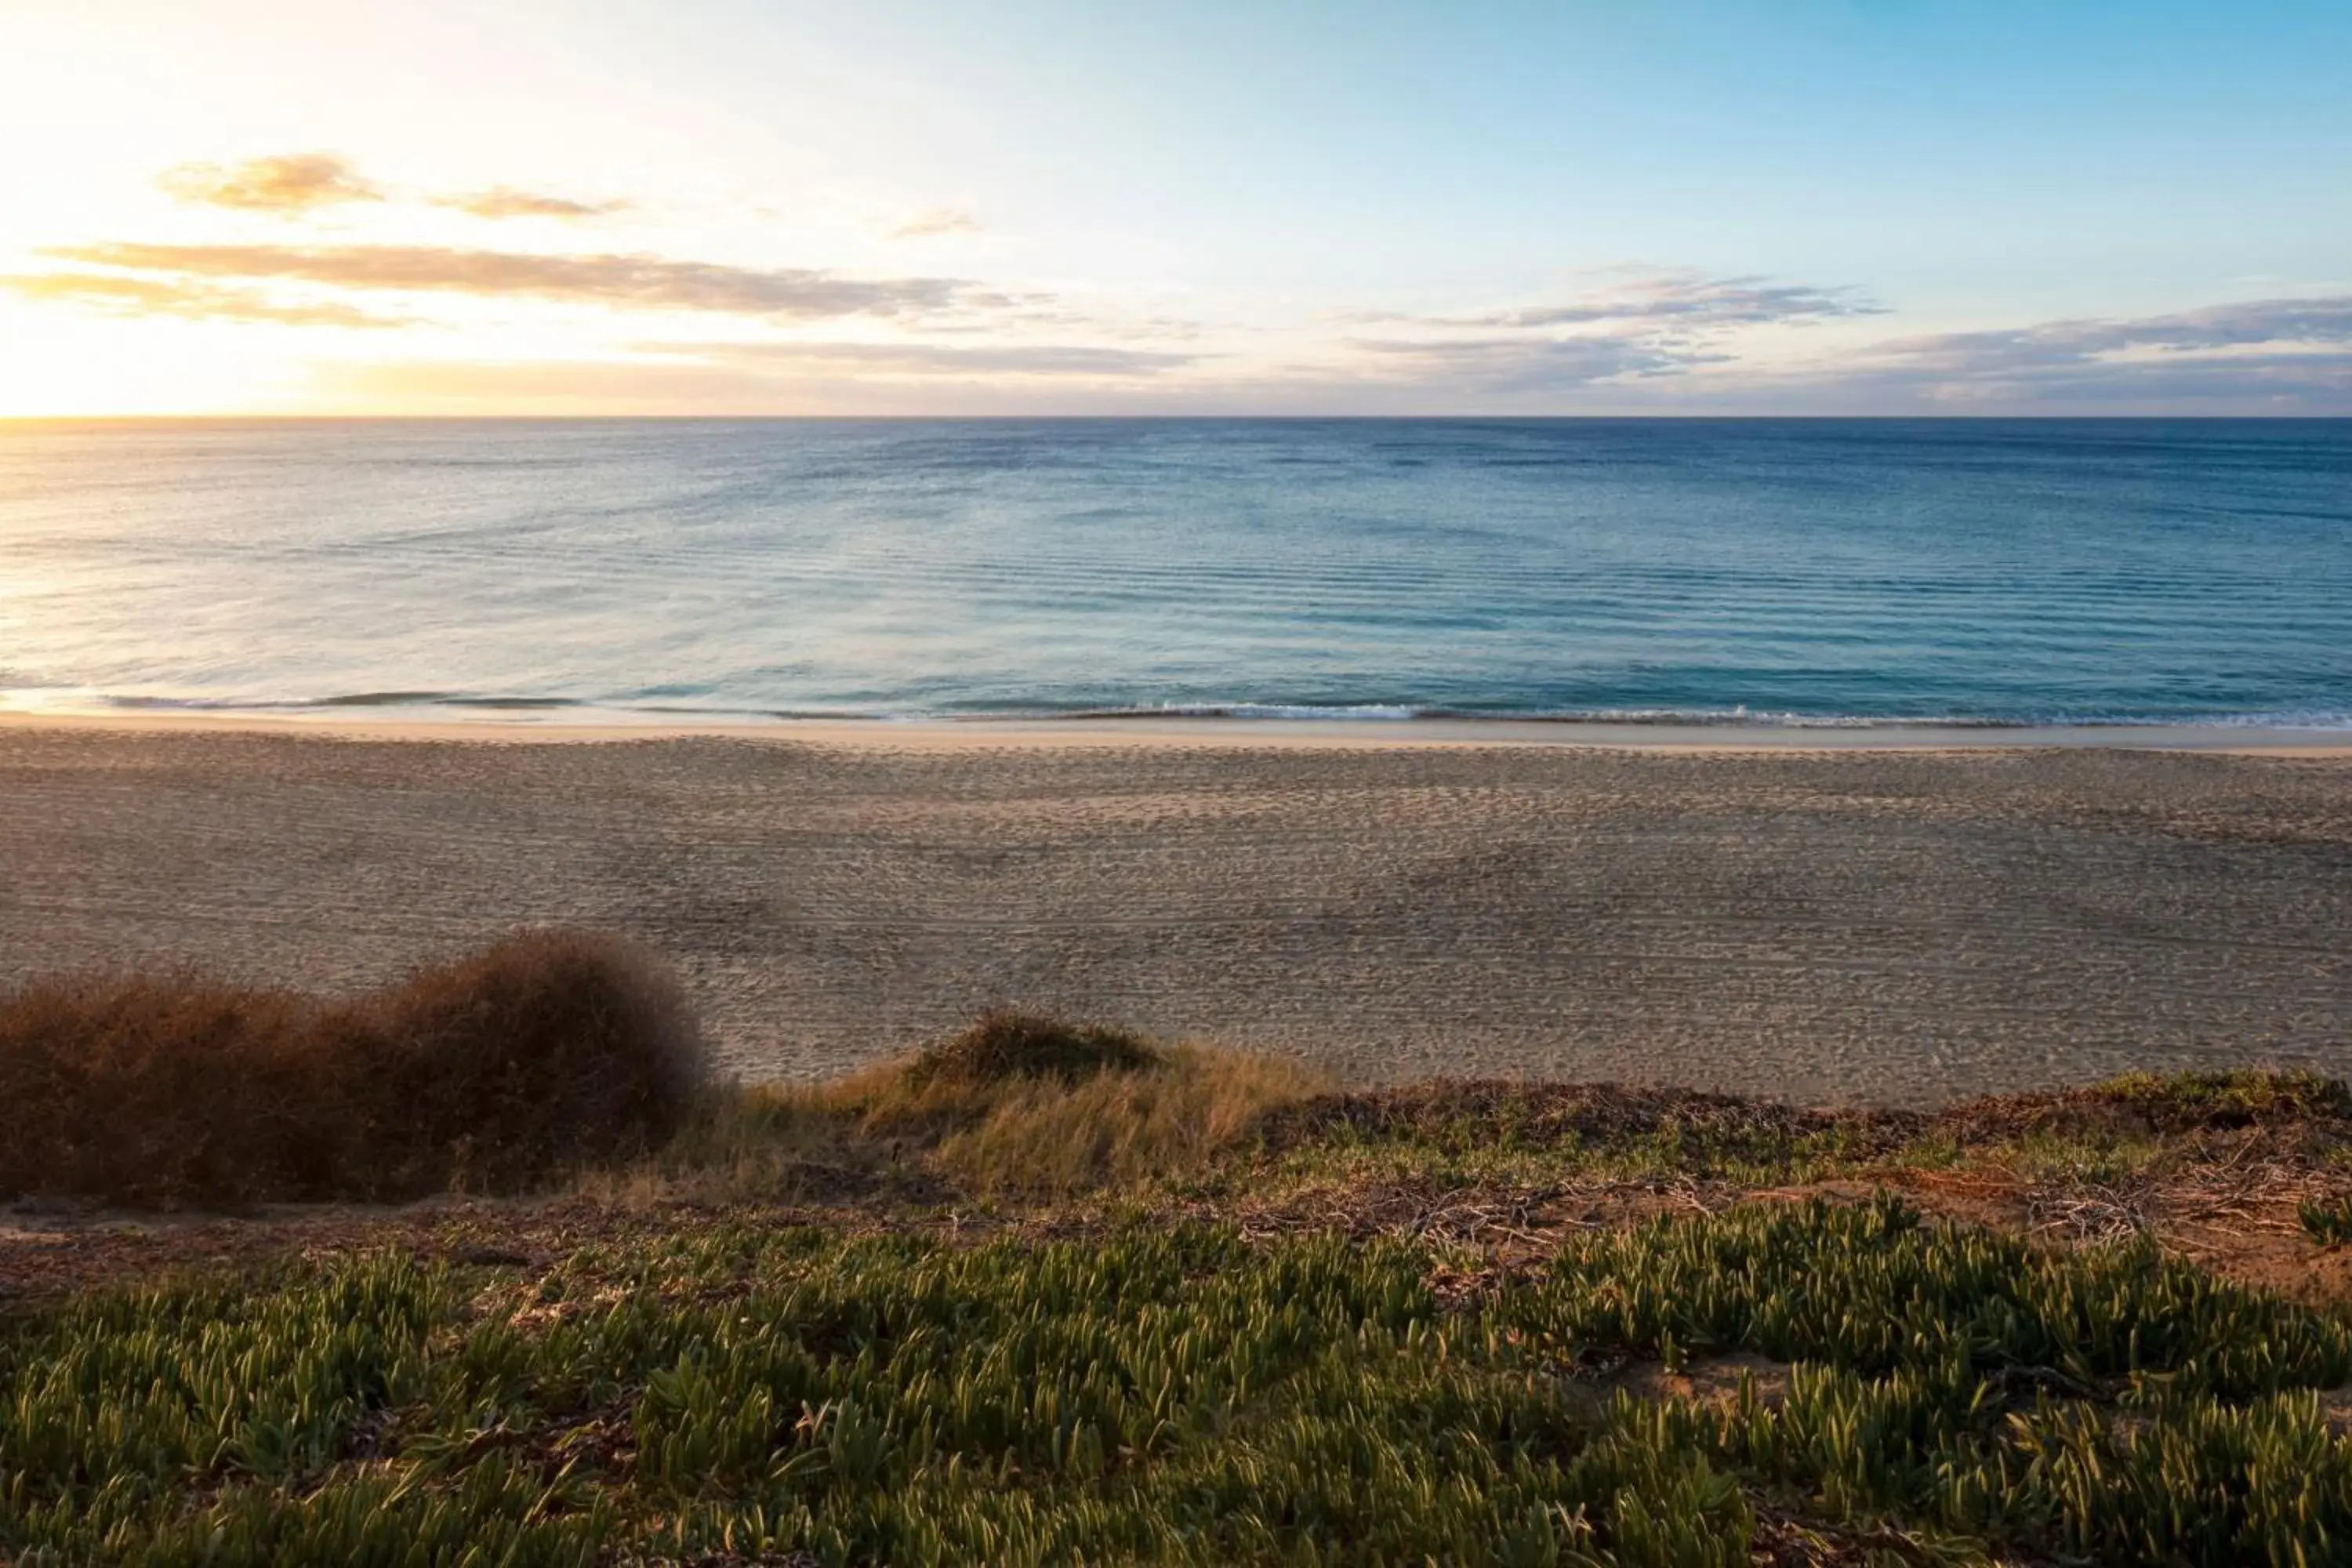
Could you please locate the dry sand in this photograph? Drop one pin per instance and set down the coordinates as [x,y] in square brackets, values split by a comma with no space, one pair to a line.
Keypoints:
[1879,923]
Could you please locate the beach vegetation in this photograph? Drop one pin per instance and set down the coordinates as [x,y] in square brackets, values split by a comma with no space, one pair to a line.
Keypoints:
[2327,1219]
[729,1393]
[2235,1097]
[498,1072]
[1047,1292]
[954,1121]
[1015,1043]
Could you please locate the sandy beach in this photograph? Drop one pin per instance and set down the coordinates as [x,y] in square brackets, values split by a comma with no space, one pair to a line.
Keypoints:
[1826,916]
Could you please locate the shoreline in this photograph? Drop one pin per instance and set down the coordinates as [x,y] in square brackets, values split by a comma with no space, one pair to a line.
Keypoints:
[1237,734]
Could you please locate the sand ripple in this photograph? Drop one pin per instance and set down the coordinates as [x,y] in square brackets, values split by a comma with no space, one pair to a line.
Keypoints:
[1893,926]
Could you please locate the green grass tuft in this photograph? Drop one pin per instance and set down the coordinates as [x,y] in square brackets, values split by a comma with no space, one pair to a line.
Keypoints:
[2242,1097]
[2327,1221]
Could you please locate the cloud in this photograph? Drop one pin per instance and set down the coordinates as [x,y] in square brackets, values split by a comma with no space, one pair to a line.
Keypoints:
[2059,344]
[1651,326]
[2295,383]
[1686,299]
[1671,341]
[506,201]
[193,301]
[2290,351]
[294,184]
[937,221]
[1082,360]
[1520,364]
[625,282]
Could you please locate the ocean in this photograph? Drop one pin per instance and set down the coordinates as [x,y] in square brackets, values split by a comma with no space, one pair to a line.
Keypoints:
[1764,572]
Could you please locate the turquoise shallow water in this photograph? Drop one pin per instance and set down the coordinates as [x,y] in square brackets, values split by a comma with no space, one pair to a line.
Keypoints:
[1840,571]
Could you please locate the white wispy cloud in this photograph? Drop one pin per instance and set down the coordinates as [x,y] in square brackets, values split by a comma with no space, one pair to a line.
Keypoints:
[1680,339]
[1521,364]
[1684,299]
[1654,324]
[2286,354]
[2068,345]
[935,221]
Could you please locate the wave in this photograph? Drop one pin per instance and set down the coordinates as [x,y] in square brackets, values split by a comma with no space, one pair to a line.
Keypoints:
[142,700]
[1699,718]
[561,709]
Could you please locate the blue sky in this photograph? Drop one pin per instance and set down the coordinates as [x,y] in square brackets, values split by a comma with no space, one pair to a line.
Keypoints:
[1850,206]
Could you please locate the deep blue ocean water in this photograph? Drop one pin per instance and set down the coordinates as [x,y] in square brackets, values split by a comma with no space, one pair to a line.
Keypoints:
[1837,570]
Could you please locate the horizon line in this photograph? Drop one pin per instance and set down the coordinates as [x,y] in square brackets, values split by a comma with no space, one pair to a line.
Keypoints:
[1653,418]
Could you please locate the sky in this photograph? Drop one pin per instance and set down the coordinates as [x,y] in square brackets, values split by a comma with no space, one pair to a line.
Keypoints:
[1090,207]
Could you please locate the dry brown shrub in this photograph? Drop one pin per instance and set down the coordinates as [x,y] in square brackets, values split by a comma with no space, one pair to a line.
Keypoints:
[1010,1043]
[549,1050]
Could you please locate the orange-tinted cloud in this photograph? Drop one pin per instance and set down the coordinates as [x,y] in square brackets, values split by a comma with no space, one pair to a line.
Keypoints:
[119,296]
[293,183]
[506,201]
[639,282]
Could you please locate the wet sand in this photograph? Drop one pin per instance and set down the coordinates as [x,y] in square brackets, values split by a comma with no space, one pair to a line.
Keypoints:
[1896,923]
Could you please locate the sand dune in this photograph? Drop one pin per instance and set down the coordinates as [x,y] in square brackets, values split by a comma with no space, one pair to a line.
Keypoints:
[1881,924]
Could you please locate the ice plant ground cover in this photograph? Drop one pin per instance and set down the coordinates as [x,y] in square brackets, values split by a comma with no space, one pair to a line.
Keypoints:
[721,1391]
